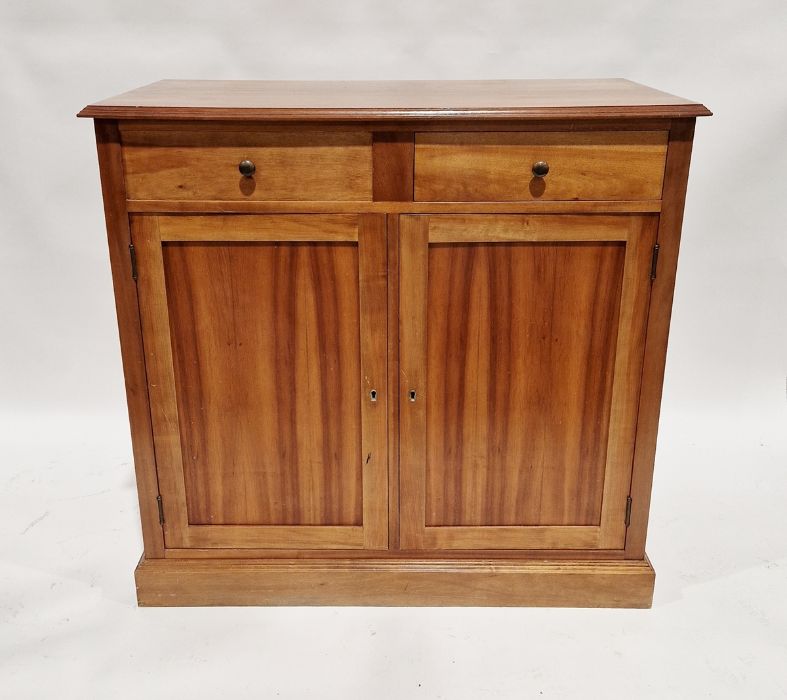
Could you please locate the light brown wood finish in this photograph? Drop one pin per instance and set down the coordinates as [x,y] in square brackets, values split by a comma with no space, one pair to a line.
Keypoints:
[392,229]
[131,348]
[160,375]
[304,228]
[625,584]
[267,374]
[498,459]
[282,207]
[399,554]
[393,166]
[373,328]
[515,228]
[520,388]
[281,464]
[388,126]
[246,100]
[670,223]
[521,321]
[490,166]
[290,165]
[413,275]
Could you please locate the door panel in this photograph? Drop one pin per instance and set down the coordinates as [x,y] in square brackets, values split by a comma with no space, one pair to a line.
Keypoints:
[522,337]
[264,336]
[268,389]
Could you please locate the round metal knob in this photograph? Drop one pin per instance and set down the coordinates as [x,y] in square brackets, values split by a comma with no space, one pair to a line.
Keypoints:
[246,168]
[540,169]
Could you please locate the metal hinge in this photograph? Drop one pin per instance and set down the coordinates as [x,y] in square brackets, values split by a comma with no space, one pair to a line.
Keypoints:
[654,261]
[133,255]
[628,511]
[160,509]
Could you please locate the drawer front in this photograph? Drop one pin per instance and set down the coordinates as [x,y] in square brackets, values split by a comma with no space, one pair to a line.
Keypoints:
[204,165]
[498,166]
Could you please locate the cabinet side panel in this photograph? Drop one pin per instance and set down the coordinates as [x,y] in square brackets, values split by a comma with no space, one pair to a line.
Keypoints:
[119,237]
[673,200]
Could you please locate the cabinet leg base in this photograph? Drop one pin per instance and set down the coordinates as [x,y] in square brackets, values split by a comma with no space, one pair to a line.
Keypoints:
[400,582]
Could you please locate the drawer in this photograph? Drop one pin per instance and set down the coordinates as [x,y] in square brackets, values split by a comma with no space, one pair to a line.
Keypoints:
[498,166]
[203,164]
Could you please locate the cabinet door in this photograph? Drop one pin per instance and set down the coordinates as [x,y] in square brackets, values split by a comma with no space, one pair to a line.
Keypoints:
[521,352]
[265,337]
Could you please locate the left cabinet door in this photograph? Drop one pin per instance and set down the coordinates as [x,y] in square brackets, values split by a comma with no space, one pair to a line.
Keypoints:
[265,346]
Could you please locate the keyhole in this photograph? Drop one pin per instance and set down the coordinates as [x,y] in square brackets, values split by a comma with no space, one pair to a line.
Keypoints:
[373,395]
[412,395]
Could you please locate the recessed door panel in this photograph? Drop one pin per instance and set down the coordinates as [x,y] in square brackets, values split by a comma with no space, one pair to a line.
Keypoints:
[266,348]
[520,353]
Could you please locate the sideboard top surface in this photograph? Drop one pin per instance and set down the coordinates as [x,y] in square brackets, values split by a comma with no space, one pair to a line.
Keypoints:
[393,100]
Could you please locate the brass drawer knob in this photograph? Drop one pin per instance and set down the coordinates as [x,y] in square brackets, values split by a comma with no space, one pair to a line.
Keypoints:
[540,168]
[247,168]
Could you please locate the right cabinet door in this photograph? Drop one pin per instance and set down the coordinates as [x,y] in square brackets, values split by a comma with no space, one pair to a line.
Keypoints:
[521,353]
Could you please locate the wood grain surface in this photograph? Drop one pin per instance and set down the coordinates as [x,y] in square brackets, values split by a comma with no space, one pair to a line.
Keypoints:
[290,165]
[213,206]
[520,357]
[267,364]
[396,99]
[669,234]
[257,357]
[497,166]
[393,166]
[522,336]
[625,584]
[393,367]
[130,330]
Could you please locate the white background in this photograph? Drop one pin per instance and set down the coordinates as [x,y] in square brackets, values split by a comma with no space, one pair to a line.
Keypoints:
[69,536]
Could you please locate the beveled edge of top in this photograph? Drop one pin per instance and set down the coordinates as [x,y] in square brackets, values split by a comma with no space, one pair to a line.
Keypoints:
[251,100]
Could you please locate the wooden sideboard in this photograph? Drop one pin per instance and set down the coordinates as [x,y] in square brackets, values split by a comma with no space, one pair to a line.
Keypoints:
[394,343]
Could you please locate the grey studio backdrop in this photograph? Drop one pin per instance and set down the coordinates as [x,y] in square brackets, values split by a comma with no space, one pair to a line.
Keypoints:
[69,536]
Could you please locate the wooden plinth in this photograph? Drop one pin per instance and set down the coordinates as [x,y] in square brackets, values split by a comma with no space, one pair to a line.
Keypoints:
[412,582]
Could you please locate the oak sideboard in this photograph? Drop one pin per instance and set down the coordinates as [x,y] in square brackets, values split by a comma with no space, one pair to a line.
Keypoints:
[394,343]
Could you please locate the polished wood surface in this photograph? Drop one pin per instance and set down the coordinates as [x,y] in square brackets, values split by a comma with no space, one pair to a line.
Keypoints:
[392,231]
[396,126]
[373,330]
[393,553]
[526,357]
[624,584]
[413,288]
[156,206]
[396,99]
[520,355]
[271,425]
[290,165]
[330,228]
[490,166]
[669,232]
[393,154]
[131,348]
[267,368]
[393,239]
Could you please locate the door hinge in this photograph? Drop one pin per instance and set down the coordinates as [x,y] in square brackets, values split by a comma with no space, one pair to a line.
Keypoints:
[654,261]
[628,511]
[133,255]
[160,504]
